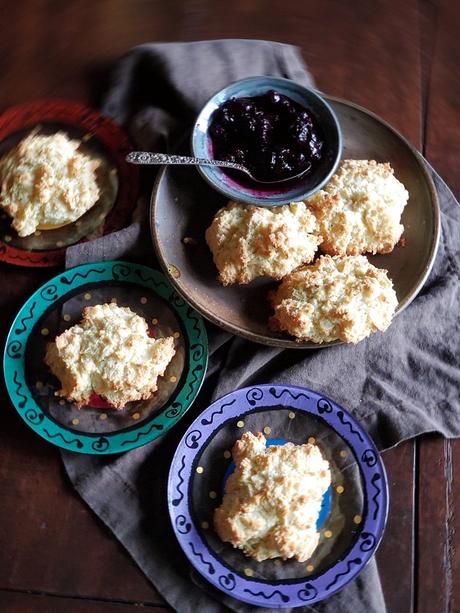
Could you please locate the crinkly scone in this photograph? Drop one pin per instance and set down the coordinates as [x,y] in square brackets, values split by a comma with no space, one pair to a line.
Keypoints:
[110,353]
[273,499]
[337,298]
[250,241]
[46,182]
[359,210]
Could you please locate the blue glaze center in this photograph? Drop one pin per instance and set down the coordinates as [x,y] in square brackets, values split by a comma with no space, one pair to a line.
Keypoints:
[327,496]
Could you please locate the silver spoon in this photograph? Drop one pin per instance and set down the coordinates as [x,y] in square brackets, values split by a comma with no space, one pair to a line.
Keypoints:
[146,157]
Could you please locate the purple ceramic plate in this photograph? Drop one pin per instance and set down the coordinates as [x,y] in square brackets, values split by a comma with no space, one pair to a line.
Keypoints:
[350,529]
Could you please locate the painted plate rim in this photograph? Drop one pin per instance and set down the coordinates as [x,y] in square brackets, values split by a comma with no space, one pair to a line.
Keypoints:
[287,342]
[40,302]
[292,593]
[111,135]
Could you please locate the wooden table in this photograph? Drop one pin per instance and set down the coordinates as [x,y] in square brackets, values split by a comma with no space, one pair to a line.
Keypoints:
[399,58]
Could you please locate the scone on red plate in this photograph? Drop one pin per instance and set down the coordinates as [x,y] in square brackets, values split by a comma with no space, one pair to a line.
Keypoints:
[337,298]
[249,241]
[273,498]
[46,182]
[359,210]
[111,354]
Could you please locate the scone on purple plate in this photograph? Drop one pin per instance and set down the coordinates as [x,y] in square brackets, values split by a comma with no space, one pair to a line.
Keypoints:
[273,499]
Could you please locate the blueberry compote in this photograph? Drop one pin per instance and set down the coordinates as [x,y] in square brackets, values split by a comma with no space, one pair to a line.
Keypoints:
[273,136]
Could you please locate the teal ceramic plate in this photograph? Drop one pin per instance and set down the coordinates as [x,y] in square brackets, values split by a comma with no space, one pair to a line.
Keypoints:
[57,305]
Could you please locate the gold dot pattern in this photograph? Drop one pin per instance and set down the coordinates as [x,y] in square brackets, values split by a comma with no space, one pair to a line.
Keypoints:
[62,402]
[309,568]
[291,414]
[173,379]
[66,317]
[44,331]
[154,321]
[75,421]
[240,424]
[248,572]
[327,534]
[199,470]
[87,296]
[60,244]
[204,525]
[176,334]
[267,430]
[135,415]
[357,519]
[312,440]
[227,454]
[8,238]
[143,300]
[343,453]
[212,495]
[173,271]
[340,489]
[103,416]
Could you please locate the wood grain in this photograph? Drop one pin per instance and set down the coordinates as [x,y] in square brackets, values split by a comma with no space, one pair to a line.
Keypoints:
[438,569]
[16,602]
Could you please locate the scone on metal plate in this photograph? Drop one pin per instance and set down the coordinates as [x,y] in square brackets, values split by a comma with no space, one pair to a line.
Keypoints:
[46,182]
[337,298]
[249,241]
[111,354]
[359,210]
[273,498]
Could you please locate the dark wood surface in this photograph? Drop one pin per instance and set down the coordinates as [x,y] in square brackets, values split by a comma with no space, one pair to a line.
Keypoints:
[399,58]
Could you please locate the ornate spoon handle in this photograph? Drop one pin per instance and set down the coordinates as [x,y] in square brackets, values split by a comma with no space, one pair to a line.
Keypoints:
[146,157]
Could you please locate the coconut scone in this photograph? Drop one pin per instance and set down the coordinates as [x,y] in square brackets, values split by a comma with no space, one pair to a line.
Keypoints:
[249,241]
[46,182]
[111,354]
[337,298]
[273,499]
[359,211]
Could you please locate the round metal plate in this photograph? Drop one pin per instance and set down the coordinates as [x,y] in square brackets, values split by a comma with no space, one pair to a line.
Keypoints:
[183,206]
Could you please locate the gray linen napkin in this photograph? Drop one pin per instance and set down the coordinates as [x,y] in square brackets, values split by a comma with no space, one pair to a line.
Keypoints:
[399,385]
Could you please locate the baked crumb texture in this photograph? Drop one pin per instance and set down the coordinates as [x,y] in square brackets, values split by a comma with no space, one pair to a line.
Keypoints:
[45,181]
[249,241]
[337,298]
[110,353]
[359,210]
[273,499]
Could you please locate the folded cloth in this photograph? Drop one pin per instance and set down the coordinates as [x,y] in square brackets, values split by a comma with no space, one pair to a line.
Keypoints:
[399,384]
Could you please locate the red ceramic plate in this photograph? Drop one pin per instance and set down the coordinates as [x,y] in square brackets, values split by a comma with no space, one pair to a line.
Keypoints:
[118,181]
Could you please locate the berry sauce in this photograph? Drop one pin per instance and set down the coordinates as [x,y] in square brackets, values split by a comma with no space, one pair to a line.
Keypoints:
[273,136]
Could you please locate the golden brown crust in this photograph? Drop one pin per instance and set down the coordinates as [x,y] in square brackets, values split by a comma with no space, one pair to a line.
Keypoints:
[359,210]
[109,353]
[337,298]
[249,241]
[273,499]
[46,182]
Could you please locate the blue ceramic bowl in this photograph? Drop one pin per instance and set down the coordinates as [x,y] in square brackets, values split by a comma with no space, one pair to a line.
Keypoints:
[260,194]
